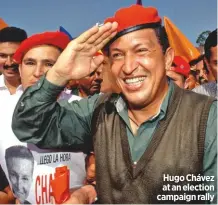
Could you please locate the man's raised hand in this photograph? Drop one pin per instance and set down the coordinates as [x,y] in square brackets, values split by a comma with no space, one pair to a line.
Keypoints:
[77,61]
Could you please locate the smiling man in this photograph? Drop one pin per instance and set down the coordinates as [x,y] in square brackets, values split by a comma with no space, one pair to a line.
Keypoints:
[210,47]
[10,40]
[139,135]
[37,54]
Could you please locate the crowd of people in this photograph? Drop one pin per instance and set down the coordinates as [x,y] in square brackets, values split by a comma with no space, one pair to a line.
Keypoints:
[115,106]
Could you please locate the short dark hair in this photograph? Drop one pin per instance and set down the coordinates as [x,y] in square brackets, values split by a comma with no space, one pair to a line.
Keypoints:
[18,151]
[161,34]
[211,41]
[162,37]
[12,34]
[197,60]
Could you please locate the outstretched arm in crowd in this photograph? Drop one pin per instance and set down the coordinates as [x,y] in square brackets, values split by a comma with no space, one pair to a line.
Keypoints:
[39,119]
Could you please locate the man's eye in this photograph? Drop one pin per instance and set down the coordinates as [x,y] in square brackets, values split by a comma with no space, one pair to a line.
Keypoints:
[92,73]
[49,64]
[25,179]
[140,50]
[29,63]
[3,56]
[116,55]
[12,175]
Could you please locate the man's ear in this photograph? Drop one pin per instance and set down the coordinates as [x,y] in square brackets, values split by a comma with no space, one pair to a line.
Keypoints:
[169,57]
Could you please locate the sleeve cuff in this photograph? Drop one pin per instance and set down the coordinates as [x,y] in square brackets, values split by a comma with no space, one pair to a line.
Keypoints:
[48,91]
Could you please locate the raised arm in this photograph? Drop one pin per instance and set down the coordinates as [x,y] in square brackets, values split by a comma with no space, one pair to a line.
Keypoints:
[39,119]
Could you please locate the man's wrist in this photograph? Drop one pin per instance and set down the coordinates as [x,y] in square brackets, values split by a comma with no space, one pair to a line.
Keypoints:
[53,77]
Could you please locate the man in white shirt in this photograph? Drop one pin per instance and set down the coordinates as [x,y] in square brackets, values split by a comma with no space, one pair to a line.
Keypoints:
[10,40]
[210,49]
[35,56]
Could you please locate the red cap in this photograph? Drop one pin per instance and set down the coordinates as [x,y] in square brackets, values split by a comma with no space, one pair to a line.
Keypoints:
[134,18]
[181,66]
[56,38]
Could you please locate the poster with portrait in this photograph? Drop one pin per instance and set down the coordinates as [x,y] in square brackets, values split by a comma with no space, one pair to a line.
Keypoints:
[29,169]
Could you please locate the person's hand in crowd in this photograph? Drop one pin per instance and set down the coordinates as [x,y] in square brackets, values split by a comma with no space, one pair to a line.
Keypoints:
[177,78]
[90,169]
[77,61]
[83,195]
[7,196]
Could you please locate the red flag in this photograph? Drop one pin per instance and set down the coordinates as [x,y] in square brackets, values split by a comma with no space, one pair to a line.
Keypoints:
[139,2]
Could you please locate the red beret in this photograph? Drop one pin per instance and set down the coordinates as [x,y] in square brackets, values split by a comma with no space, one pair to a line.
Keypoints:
[181,66]
[56,38]
[134,18]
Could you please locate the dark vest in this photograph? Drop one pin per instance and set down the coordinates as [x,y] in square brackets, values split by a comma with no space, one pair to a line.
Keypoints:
[176,149]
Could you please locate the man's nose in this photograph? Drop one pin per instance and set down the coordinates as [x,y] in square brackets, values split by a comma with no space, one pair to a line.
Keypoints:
[130,64]
[39,71]
[9,61]
[18,183]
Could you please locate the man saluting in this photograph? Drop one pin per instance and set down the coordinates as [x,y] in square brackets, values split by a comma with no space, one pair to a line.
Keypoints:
[138,135]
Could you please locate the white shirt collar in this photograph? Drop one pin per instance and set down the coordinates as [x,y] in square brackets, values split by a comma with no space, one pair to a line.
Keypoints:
[4,87]
[2,82]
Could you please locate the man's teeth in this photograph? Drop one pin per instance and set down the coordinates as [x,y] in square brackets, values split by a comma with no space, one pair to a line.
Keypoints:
[134,80]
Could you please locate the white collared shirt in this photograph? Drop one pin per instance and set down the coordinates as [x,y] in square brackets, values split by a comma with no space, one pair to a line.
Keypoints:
[4,91]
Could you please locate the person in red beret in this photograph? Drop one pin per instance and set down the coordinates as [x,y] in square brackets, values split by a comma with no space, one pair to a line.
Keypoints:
[35,56]
[143,138]
[179,71]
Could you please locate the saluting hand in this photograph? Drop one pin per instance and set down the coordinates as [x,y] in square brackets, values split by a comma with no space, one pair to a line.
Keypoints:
[77,61]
